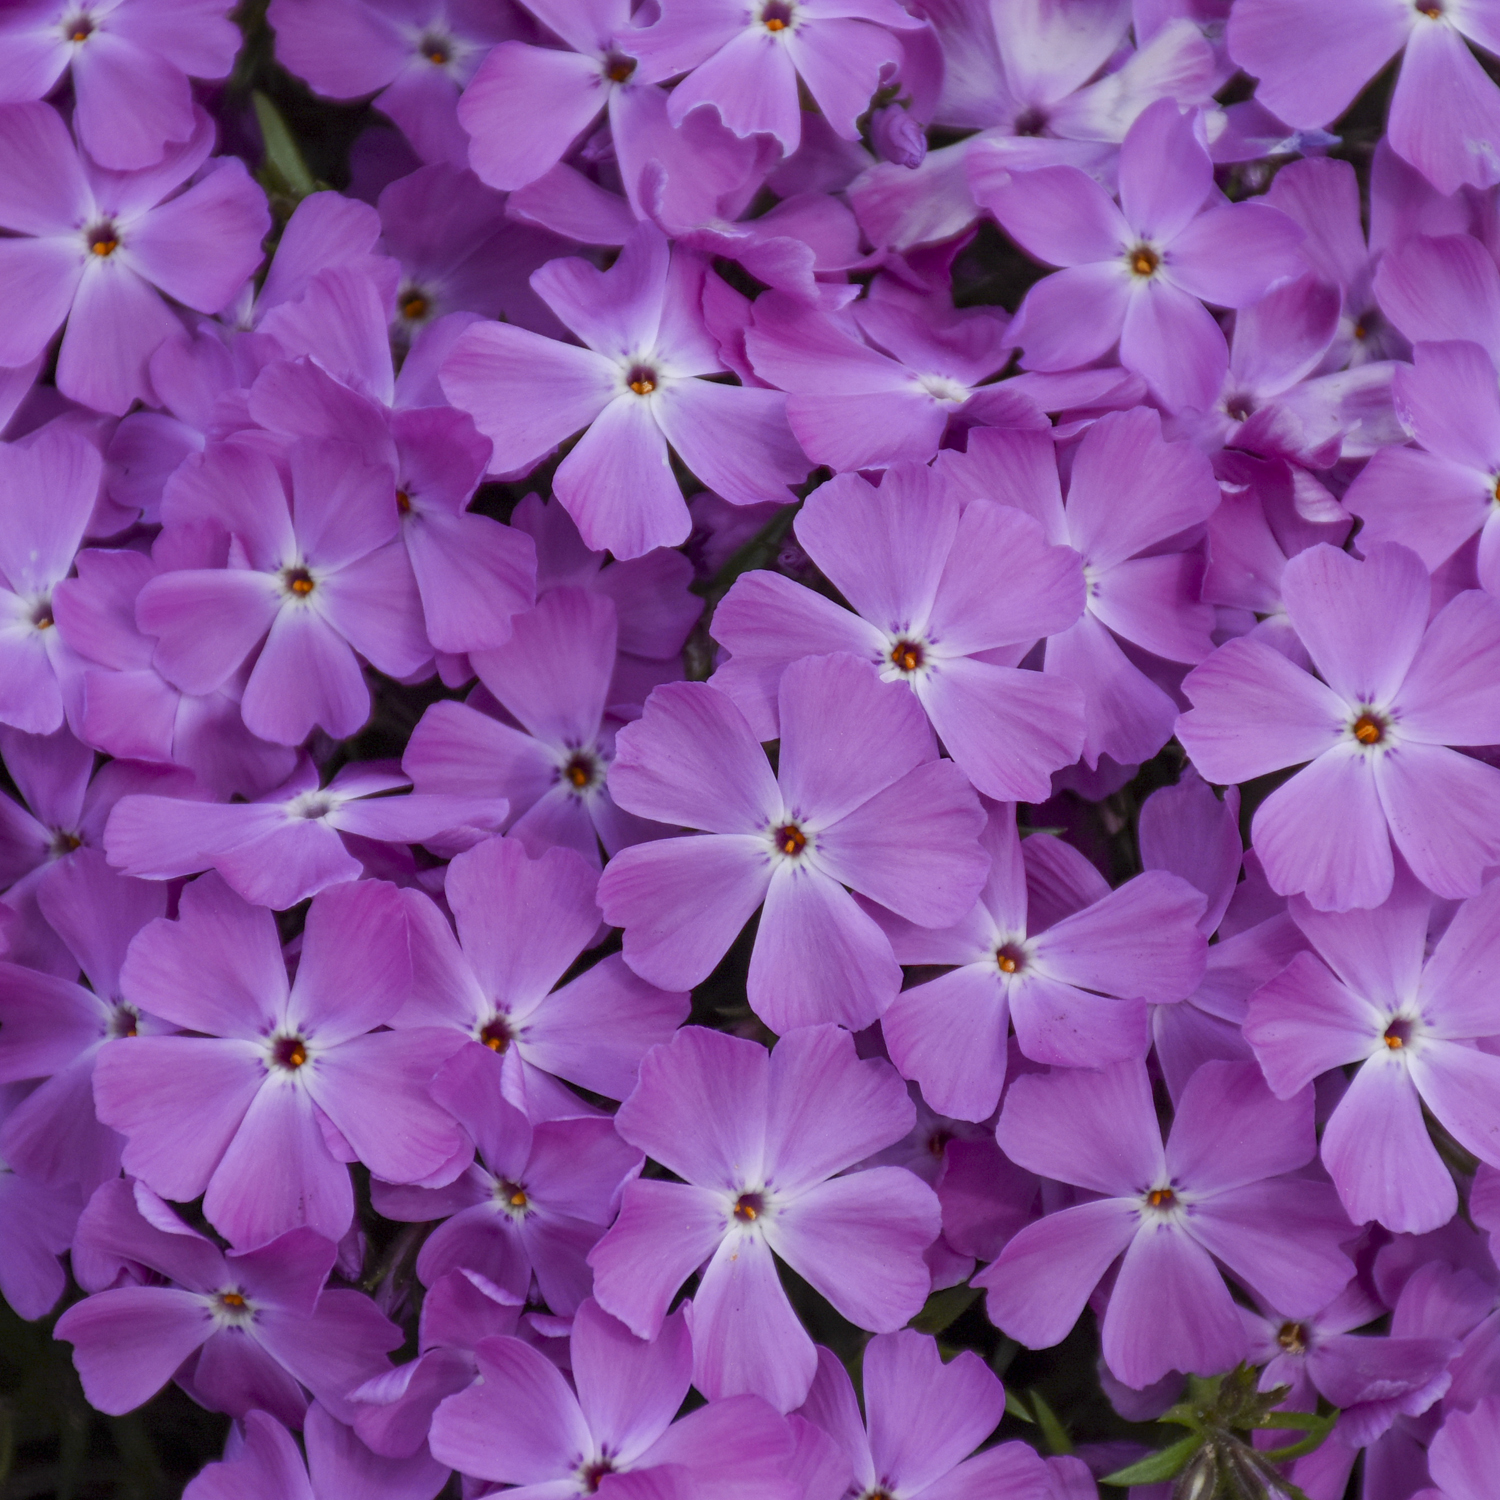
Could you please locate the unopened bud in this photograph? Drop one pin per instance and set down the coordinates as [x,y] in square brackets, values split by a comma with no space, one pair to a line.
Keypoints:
[897,137]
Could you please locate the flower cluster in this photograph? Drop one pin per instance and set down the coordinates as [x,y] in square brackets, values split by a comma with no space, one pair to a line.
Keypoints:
[809,673]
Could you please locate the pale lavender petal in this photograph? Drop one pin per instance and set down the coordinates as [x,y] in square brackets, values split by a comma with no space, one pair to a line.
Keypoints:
[1461,1086]
[306,677]
[949,1037]
[1450,695]
[1444,815]
[1304,1022]
[1229,1130]
[1173,343]
[128,1342]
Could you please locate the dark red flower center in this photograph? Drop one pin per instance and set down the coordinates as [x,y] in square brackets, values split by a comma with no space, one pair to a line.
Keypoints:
[289,1052]
[790,839]
[1292,1337]
[1010,958]
[104,239]
[908,655]
[497,1035]
[413,306]
[1369,729]
[1161,1197]
[299,581]
[1144,260]
[776,15]
[642,380]
[618,68]
[1398,1034]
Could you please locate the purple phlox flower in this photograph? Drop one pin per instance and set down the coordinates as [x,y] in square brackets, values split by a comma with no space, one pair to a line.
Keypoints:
[744,58]
[128,708]
[52,1029]
[283,1084]
[130,62]
[1435,497]
[1218,1191]
[1188,831]
[38,671]
[262,1462]
[418,55]
[525,1425]
[1133,501]
[1268,405]
[295,840]
[919,568]
[1322,195]
[460,253]
[1464,1454]
[1364,995]
[552,679]
[36,1226]
[1437,286]
[238,1330]
[758,1139]
[393,1411]
[655,608]
[1444,111]
[860,800]
[534,1203]
[1076,987]
[522,923]
[527,105]
[318,574]
[472,574]
[921,1421]
[1268,511]
[95,249]
[880,382]
[1033,71]
[635,389]
[1138,275]
[64,808]
[1396,693]
[1383,1376]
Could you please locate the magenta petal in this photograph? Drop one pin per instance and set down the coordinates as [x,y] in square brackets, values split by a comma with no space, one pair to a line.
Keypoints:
[818,957]
[521,1424]
[1450,695]
[949,1037]
[665,1231]
[1041,1280]
[1304,1022]
[1008,729]
[374,1089]
[1169,1310]
[618,485]
[1072,317]
[118,322]
[1229,1131]
[277,1172]
[179,1101]
[1165,174]
[629,1391]
[1459,1085]
[44,191]
[682,902]
[1172,341]
[878,1281]
[1445,111]
[1060,215]
[1444,815]
[1232,256]
[1064,1026]
[474,577]
[128,1342]
[826,1109]
[306,676]
[746,1338]
[206,623]
[1380,1156]
[677,1113]
[738,1447]
[735,439]
[1254,711]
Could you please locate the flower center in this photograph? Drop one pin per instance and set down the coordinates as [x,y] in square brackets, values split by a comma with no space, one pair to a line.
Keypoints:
[776,15]
[289,1053]
[1143,260]
[1161,1198]
[1398,1034]
[908,655]
[618,68]
[403,502]
[1369,728]
[582,770]
[231,1307]
[414,305]
[297,581]
[64,841]
[124,1022]
[748,1207]
[1010,958]
[79,29]
[513,1196]
[591,1475]
[1430,9]
[436,50]
[1292,1337]
[1240,408]
[789,839]
[1031,121]
[496,1034]
[642,380]
[41,614]
[103,239]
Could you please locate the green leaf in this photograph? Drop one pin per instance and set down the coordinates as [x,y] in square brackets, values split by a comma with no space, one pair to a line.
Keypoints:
[1018,1408]
[283,155]
[1316,1427]
[1056,1435]
[944,1308]
[1157,1467]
